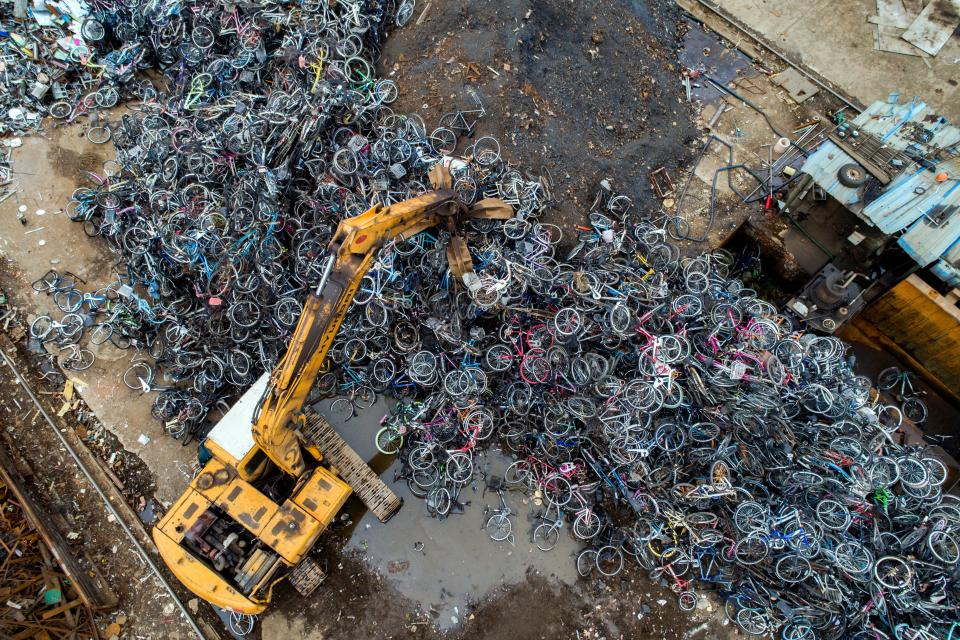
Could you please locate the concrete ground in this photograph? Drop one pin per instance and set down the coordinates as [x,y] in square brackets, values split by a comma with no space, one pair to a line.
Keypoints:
[48,168]
[801,30]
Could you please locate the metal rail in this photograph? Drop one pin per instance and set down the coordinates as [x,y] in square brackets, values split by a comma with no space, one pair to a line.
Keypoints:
[809,76]
[103,496]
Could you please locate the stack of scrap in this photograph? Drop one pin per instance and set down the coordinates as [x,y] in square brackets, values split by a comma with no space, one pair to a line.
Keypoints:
[43,592]
[915,27]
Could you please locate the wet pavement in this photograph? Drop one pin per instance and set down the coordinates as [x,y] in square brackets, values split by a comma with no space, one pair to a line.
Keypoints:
[446,566]
[703,52]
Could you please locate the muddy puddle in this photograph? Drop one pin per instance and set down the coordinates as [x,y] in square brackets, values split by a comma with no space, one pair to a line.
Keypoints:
[446,566]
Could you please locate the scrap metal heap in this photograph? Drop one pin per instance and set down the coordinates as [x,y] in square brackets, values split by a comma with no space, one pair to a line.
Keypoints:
[46,592]
[657,404]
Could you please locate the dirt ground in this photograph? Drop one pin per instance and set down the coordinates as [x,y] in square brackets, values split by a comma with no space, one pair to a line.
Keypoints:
[145,610]
[576,91]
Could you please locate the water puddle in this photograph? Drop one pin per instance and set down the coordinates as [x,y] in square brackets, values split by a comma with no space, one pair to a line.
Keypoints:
[446,566]
[704,52]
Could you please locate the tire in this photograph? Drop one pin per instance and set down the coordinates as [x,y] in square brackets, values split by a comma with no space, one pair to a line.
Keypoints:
[609,560]
[587,525]
[60,110]
[546,536]
[888,378]
[915,410]
[68,300]
[342,408]
[389,441]
[439,501]
[498,527]
[41,327]
[688,601]
[516,473]
[135,373]
[586,562]
[852,175]
[84,360]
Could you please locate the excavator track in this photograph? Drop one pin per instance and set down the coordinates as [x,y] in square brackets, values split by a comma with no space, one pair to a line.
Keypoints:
[368,486]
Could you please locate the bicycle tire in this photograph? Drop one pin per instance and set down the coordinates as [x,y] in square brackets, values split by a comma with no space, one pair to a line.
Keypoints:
[546,536]
[609,560]
[888,378]
[587,525]
[82,360]
[343,409]
[586,562]
[914,410]
[498,527]
[138,375]
[41,327]
[389,441]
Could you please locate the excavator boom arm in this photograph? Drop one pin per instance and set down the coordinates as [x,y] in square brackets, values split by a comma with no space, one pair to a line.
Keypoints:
[353,248]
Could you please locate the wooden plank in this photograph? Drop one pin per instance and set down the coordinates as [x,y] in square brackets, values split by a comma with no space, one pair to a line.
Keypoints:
[933,27]
[66,606]
[94,595]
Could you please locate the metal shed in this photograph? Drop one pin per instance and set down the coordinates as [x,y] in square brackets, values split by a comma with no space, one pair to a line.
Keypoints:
[918,197]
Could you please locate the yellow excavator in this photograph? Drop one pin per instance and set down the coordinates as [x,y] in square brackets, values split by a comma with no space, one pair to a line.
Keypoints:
[279,473]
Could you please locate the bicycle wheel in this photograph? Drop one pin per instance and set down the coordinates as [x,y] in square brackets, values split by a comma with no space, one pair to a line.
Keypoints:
[586,562]
[893,573]
[753,622]
[138,376]
[517,473]
[798,630]
[68,300]
[81,360]
[609,560]
[41,327]
[688,601]
[944,547]
[915,410]
[459,468]
[389,440]
[587,525]
[498,527]
[342,409]
[364,397]
[71,326]
[439,501]
[546,536]
[888,378]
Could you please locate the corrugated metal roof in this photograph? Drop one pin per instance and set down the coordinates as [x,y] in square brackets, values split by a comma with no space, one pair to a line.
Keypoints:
[947,272]
[913,202]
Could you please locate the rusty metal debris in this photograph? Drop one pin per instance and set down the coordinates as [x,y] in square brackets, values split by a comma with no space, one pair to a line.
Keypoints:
[47,594]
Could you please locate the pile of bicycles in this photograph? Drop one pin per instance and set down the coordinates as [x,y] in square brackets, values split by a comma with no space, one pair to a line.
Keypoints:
[656,407]
[665,416]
